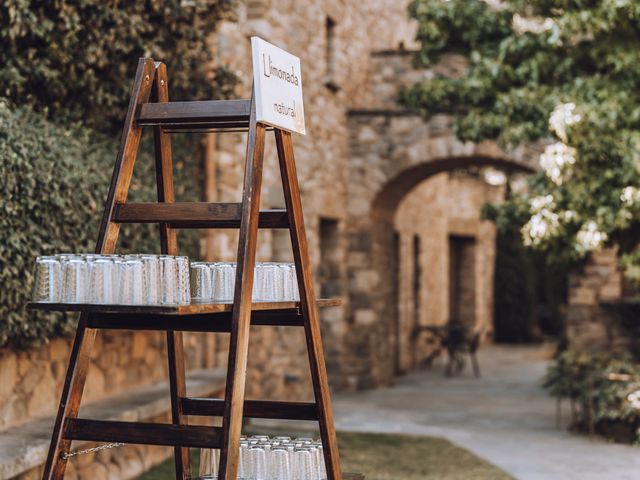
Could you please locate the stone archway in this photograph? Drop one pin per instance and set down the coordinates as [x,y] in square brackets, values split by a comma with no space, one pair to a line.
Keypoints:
[393,152]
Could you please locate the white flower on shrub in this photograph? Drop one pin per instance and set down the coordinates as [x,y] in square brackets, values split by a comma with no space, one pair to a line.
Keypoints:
[531,24]
[562,116]
[630,195]
[634,399]
[544,222]
[589,238]
[541,202]
[555,161]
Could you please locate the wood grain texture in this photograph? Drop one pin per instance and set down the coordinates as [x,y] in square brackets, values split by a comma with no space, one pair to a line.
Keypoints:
[195,215]
[169,245]
[142,433]
[205,115]
[123,171]
[253,409]
[194,308]
[241,319]
[235,317]
[308,306]
[76,375]
[164,161]
[219,322]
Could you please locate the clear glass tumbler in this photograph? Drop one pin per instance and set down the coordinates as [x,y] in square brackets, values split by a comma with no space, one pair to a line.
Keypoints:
[201,282]
[75,280]
[151,266]
[102,280]
[258,283]
[243,460]
[183,296]
[47,286]
[303,463]
[280,464]
[168,276]
[257,463]
[321,465]
[288,281]
[225,277]
[209,461]
[131,289]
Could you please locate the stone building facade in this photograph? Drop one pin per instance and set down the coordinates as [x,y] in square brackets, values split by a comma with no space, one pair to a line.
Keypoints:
[391,221]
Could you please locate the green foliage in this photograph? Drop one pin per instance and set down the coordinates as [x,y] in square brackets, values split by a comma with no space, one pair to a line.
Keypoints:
[514,279]
[54,182]
[78,58]
[525,59]
[598,386]
[527,289]
[67,63]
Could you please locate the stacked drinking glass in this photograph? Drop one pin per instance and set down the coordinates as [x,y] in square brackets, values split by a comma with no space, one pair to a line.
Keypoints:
[272,282]
[112,279]
[277,458]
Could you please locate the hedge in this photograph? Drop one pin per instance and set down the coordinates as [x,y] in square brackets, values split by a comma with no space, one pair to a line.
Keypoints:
[54,181]
[77,59]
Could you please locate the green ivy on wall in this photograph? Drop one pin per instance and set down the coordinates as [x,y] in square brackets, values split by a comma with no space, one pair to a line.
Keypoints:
[66,69]
[54,182]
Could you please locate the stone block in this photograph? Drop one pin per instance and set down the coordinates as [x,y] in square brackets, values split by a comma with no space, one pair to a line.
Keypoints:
[365,317]
[139,346]
[8,375]
[582,296]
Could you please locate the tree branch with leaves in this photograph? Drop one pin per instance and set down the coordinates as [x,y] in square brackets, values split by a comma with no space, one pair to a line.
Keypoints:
[564,72]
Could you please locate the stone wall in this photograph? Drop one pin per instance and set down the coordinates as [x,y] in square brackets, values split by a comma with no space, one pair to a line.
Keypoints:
[359,142]
[589,326]
[31,380]
[321,157]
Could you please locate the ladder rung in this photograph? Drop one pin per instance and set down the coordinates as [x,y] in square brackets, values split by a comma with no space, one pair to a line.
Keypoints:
[143,433]
[252,409]
[206,115]
[194,215]
[217,322]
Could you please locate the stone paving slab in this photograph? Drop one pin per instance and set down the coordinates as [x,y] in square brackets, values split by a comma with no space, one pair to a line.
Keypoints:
[25,446]
[504,417]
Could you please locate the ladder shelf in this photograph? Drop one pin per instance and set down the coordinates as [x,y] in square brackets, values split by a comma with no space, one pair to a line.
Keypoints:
[150,106]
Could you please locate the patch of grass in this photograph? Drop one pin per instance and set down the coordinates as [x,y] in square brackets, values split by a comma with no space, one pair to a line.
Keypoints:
[391,457]
[167,470]
[394,457]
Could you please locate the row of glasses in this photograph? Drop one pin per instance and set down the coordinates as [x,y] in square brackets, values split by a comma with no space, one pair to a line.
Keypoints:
[277,458]
[272,282]
[140,279]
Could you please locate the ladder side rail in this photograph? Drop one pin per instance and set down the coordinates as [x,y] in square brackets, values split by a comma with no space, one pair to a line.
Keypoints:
[308,305]
[79,359]
[241,316]
[169,245]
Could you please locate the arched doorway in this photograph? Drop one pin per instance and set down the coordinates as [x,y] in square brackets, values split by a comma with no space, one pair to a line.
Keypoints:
[382,171]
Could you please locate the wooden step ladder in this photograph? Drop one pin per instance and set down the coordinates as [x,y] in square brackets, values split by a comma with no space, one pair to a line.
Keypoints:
[150,106]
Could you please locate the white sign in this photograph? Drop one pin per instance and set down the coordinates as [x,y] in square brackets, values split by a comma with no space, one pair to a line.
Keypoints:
[277,81]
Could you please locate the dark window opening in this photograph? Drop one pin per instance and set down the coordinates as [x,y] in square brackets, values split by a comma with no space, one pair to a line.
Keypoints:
[330,55]
[330,278]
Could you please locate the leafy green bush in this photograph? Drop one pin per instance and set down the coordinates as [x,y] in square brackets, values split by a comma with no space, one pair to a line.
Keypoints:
[78,58]
[561,72]
[54,183]
[74,62]
[598,386]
